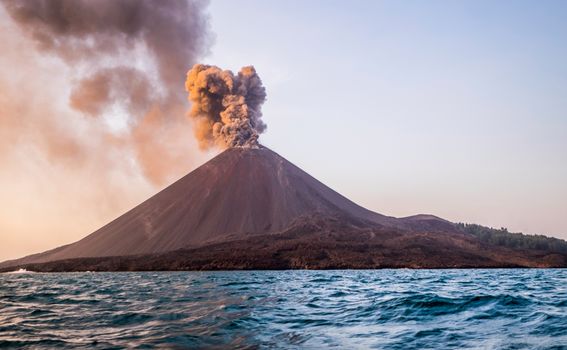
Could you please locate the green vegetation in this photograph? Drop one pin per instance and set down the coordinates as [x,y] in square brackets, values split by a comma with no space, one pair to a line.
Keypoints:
[504,238]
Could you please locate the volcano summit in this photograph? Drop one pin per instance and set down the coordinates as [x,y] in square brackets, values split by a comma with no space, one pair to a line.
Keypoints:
[249,208]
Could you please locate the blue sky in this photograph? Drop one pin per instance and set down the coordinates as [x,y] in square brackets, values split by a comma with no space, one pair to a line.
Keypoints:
[455,108]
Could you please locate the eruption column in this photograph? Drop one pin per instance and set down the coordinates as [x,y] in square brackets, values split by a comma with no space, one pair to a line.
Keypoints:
[226,108]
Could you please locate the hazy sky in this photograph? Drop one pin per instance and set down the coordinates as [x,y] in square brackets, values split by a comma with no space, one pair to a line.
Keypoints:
[454,108]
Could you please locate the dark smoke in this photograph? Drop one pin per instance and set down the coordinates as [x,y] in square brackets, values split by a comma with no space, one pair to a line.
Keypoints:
[226,107]
[126,53]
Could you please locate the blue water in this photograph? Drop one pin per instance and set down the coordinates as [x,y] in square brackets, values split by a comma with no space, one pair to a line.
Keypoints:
[386,309]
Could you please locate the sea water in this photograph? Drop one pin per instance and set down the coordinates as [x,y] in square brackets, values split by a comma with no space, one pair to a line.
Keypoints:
[346,309]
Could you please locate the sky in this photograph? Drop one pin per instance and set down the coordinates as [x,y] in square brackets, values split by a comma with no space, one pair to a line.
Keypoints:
[454,108]
[451,108]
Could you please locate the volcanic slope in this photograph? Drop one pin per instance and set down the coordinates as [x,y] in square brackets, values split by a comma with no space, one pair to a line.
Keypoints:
[249,199]
[240,192]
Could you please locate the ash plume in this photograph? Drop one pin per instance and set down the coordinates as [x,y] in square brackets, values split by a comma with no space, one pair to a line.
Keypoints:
[125,59]
[226,107]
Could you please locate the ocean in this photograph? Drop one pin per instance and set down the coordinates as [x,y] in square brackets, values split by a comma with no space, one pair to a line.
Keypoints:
[345,309]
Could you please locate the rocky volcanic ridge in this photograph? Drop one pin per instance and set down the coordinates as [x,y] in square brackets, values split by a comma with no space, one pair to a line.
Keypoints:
[249,208]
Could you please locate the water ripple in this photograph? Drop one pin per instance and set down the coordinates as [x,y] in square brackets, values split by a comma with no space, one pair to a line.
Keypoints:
[386,309]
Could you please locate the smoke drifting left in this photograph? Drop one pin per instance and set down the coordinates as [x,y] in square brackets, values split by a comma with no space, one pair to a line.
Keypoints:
[92,111]
[127,58]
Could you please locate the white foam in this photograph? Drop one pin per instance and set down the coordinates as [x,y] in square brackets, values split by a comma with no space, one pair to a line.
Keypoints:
[21,271]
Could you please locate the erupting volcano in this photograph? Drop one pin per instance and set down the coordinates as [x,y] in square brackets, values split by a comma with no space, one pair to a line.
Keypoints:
[249,208]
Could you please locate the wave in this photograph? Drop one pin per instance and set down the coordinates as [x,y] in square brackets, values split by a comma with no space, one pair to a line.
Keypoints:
[20,271]
[391,309]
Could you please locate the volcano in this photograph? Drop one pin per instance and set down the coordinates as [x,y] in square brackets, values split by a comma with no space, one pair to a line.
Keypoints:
[251,208]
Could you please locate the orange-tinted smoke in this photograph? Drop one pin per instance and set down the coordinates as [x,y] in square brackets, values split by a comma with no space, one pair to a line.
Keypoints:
[226,108]
[126,55]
